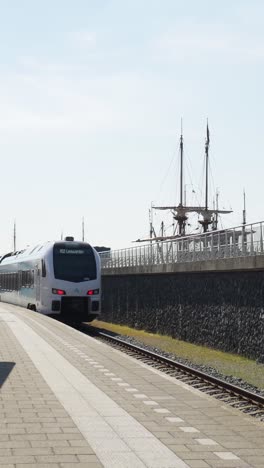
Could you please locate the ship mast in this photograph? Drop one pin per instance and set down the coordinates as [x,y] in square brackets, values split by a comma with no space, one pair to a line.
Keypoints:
[215,212]
[180,216]
[244,209]
[206,212]
[207,215]
[180,211]
[244,233]
[207,141]
[181,175]
[151,227]
[217,207]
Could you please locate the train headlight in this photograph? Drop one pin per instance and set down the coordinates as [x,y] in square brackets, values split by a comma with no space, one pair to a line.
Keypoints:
[91,292]
[60,292]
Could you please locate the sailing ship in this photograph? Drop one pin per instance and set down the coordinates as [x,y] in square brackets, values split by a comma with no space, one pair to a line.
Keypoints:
[181,212]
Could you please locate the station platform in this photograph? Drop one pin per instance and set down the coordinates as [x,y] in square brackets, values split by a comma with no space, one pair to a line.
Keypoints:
[68,400]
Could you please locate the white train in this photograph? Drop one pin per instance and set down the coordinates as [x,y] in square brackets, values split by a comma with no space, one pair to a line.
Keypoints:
[57,278]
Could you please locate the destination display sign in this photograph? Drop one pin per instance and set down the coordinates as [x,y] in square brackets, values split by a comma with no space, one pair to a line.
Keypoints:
[72,251]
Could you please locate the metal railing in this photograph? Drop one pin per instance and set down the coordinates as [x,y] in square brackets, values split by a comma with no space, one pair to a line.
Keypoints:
[240,241]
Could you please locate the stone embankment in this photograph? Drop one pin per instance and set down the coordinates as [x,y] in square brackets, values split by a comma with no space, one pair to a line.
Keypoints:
[221,309]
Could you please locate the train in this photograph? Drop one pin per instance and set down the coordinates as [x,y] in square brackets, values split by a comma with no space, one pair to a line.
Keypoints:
[58,278]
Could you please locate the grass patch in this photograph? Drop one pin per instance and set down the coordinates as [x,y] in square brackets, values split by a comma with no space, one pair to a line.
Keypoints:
[225,363]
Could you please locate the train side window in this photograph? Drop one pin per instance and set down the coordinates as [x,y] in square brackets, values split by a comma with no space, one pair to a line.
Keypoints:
[28,279]
[24,279]
[43,268]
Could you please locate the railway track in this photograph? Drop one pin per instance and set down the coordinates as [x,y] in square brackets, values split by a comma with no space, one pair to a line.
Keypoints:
[237,397]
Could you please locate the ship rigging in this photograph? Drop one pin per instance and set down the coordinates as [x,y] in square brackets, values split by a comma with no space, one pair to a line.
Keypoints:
[180,213]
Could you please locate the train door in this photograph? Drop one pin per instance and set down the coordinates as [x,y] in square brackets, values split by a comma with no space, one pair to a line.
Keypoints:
[37,284]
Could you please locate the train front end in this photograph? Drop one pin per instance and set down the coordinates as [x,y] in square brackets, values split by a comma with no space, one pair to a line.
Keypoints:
[76,289]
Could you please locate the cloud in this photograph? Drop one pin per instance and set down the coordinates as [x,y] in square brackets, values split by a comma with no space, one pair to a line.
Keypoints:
[200,43]
[34,101]
[87,39]
[33,65]
[69,95]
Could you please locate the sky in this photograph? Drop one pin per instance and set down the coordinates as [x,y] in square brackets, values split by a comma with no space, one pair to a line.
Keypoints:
[92,94]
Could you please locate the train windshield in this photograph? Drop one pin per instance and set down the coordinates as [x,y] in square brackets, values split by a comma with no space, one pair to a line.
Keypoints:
[73,262]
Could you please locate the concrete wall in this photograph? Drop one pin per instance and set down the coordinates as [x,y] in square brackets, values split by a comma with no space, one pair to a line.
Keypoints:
[221,309]
[249,262]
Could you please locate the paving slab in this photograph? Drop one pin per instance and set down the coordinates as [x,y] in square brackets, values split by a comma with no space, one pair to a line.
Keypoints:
[69,400]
